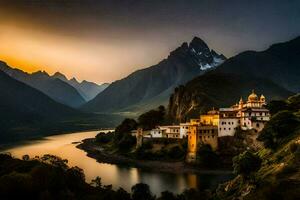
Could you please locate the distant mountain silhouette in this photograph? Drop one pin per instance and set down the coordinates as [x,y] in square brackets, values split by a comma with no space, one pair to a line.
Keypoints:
[21,105]
[55,88]
[279,63]
[88,90]
[27,112]
[150,87]
[274,72]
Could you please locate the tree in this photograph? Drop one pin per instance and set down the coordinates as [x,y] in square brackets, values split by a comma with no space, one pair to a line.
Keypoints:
[141,191]
[104,137]
[207,157]
[96,182]
[166,195]
[176,152]
[25,157]
[127,142]
[75,177]
[125,127]
[121,194]
[152,118]
[246,163]
[55,161]
[193,194]
[280,127]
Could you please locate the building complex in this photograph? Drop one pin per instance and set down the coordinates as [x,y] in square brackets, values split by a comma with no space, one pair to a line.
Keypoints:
[251,114]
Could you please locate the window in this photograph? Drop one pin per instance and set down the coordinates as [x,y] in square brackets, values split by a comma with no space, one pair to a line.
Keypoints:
[224,128]
[257,125]
[229,128]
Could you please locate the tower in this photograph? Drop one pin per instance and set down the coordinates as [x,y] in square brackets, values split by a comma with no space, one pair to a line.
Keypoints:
[139,137]
[241,103]
[192,144]
[262,100]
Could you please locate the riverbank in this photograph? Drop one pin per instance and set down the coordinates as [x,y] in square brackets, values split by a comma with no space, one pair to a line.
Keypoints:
[95,151]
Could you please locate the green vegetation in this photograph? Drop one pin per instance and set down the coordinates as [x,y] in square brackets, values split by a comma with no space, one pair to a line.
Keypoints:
[278,130]
[284,124]
[246,163]
[104,138]
[141,191]
[122,140]
[161,150]
[207,158]
[152,118]
[274,171]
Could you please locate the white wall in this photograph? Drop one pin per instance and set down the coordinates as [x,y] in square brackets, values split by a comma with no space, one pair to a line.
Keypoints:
[227,126]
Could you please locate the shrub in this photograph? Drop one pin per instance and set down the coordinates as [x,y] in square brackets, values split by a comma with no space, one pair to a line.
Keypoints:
[124,128]
[278,129]
[176,152]
[104,137]
[293,147]
[127,142]
[166,195]
[148,145]
[141,191]
[207,157]
[246,163]
[152,118]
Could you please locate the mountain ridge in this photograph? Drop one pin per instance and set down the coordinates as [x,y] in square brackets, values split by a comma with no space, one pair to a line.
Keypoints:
[181,65]
[87,89]
[57,89]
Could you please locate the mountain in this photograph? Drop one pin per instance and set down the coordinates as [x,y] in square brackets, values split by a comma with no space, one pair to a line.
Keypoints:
[216,90]
[88,90]
[274,72]
[21,104]
[152,86]
[55,88]
[26,112]
[279,63]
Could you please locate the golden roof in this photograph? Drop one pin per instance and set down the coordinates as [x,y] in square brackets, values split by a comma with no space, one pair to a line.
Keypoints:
[253,96]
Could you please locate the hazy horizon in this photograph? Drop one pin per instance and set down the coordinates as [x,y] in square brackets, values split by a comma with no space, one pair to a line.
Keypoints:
[103,41]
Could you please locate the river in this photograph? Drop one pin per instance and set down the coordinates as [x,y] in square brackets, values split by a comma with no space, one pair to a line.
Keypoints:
[125,177]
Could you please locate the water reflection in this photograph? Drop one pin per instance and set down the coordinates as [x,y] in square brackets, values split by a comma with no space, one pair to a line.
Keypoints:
[125,177]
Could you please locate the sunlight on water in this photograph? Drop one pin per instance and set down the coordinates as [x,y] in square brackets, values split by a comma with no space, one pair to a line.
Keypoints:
[125,177]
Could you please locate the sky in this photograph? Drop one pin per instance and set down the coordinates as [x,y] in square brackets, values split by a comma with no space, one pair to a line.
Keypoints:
[106,40]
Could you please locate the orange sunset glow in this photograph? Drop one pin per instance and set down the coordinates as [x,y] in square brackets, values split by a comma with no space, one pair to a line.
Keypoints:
[91,60]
